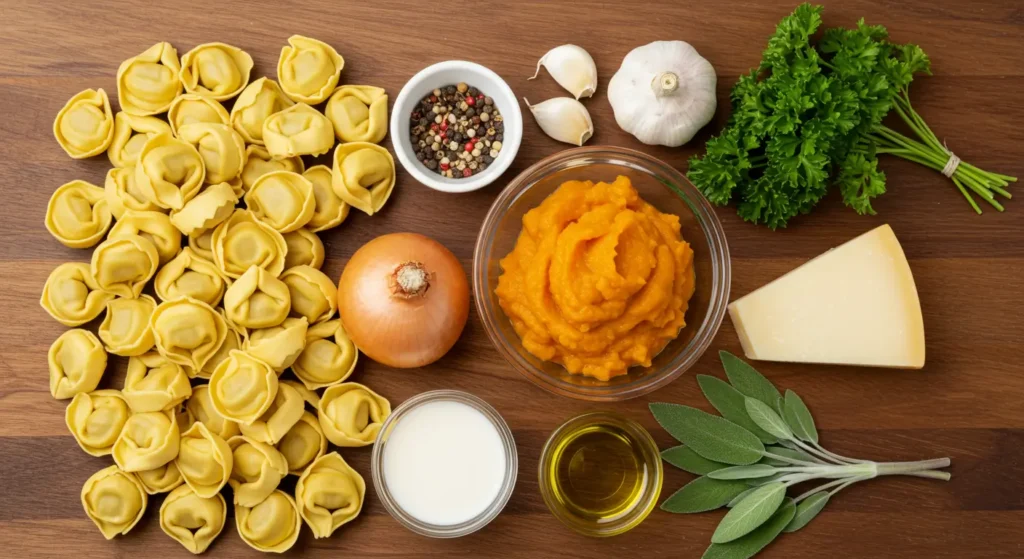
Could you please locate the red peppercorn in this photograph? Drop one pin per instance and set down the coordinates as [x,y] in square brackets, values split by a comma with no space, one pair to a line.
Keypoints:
[469,146]
[443,135]
[470,101]
[433,98]
[467,173]
[445,166]
[434,127]
[480,97]
[444,125]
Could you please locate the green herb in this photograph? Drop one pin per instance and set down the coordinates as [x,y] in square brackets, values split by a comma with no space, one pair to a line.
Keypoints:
[810,116]
[731,403]
[751,479]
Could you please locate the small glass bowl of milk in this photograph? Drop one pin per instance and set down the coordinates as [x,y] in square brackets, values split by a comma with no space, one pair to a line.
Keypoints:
[444,463]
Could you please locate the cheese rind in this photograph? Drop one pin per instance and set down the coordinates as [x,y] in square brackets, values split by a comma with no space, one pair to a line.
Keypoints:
[853,305]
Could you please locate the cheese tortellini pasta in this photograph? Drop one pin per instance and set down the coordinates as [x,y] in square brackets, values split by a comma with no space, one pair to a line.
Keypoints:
[125,330]
[283,413]
[328,358]
[147,441]
[258,162]
[303,443]
[257,299]
[154,383]
[258,470]
[191,108]
[359,113]
[78,214]
[259,100]
[297,130]
[95,420]
[278,346]
[282,199]
[161,479]
[207,210]
[363,175]
[77,362]
[192,520]
[308,69]
[200,405]
[215,70]
[244,241]
[169,171]
[156,227]
[148,83]
[204,460]
[72,296]
[234,340]
[314,295]
[273,525]
[131,132]
[222,149]
[114,500]
[188,331]
[201,243]
[188,275]
[85,126]
[242,388]
[122,265]
[329,494]
[328,209]
[304,249]
[352,414]
[123,194]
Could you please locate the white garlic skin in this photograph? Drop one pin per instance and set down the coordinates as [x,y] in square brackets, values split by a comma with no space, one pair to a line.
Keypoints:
[564,119]
[663,93]
[572,67]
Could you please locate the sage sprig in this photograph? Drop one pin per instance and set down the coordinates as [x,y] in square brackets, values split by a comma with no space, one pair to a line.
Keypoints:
[763,444]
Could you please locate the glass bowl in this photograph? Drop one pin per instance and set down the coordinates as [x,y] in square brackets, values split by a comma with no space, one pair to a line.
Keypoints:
[663,187]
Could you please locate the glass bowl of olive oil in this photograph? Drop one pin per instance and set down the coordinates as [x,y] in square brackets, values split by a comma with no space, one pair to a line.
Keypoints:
[600,474]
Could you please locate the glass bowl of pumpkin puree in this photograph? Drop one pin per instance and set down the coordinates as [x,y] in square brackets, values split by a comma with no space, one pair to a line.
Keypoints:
[601,273]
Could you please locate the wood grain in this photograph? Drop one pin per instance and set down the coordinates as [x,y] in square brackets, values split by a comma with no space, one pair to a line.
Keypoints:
[965,404]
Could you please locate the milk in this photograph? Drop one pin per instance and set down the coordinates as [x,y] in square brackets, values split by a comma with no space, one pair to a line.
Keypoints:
[444,462]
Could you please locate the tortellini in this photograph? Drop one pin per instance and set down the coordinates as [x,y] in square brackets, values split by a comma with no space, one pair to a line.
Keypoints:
[154,383]
[312,398]
[78,214]
[77,361]
[114,501]
[169,171]
[258,162]
[161,479]
[278,346]
[329,210]
[72,296]
[95,420]
[201,243]
[329,493]
[215,70]
[207,210]
[244,241]
[285,411]
[304,249]
[191,108]
[352,414]
[188,331]
[242,388]
[233,341]
[131,132]
[303,443]
[155,227]
[258,470]
[204,460]
[259,100]
[308,69]
[272,525]
[123,193]
[314,295]
[147,441]
[148,83]
[257,300]
[222,149]
[191,520]
[200,405]
[85,126]
[125,329]
[363,175]
[123,265]
[188,275]
[359,113]
[329,357]
[297,130]
[282,199]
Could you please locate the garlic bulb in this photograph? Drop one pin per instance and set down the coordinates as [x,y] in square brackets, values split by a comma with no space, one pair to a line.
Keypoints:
[663,93]
[564,119]
[573,69]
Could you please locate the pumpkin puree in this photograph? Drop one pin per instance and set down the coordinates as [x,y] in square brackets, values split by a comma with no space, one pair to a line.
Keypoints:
[599,280]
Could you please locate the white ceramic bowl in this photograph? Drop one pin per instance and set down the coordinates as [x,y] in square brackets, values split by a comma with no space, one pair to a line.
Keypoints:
[452,72]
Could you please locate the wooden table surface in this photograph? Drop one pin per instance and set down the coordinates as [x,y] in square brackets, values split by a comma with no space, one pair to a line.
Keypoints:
[965,404]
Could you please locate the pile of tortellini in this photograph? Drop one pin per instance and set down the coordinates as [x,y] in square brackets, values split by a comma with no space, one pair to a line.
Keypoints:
[244,300]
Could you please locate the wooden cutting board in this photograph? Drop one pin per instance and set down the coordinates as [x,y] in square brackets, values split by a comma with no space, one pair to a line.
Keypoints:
[965,404]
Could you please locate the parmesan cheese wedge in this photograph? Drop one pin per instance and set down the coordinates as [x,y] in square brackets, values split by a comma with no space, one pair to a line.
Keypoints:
[853,305]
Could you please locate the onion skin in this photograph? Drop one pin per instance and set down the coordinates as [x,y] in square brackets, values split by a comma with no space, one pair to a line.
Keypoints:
[403,330]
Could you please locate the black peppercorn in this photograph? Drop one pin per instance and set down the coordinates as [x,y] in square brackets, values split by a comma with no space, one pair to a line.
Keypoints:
[458,137]
[474,91]
[431,164]
[488,159]
[499,137]
[450,90]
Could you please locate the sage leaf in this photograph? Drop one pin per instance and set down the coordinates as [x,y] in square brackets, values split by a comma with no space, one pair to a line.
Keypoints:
[710,436]
[766,418]
[684,458]
[750,513]
[703,494]
[748,381]
[740,497]
[752,544]
[730,403]
[793,453]
[807,510]
[799,419]
[752,471]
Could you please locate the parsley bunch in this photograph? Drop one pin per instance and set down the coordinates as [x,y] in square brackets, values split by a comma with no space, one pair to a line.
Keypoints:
[810,116]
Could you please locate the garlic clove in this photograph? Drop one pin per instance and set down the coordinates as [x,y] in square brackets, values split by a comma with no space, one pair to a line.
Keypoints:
[572,67]
[564,119]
